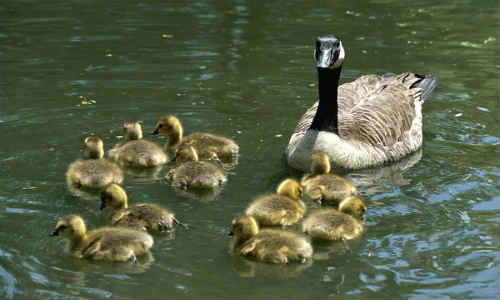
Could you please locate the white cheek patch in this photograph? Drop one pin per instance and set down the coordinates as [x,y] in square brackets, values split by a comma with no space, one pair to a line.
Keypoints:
[340,60]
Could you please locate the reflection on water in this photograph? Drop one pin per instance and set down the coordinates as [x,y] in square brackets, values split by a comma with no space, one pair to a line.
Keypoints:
[373,179]
[246,267]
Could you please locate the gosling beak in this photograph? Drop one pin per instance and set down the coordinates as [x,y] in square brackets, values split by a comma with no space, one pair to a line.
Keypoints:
[54,233]
[155,132]
[230,233]
[103,205]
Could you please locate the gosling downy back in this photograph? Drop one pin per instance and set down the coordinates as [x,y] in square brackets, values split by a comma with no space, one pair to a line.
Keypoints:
[94,171]
[105,243]
[367,122]
[204,143]
[136,151]
[192,173]
[144,216]
[322,186]
[332,224]
[283,208]
[268,245]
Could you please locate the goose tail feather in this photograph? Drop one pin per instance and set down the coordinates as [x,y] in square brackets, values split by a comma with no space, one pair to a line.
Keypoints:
[427,84]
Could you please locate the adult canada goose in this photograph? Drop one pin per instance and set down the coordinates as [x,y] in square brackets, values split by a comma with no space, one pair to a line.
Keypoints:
[204,143]
[367,122]
[151,217]
[136,151]
[268,245]
[93,171]
[105,243]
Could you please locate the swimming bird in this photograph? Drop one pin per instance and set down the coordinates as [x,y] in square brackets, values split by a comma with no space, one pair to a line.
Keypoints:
[268,245]
[145,216]
[343,223]
[204,143]
[322,186]
[93,171]
[136,151]
[282,208]
[367,122]
[193,173]
[105,243]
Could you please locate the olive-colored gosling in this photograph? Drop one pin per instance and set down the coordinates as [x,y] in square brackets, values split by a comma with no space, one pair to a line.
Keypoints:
[268,245]
[283,208]
[136,151]
[144,216]
[204,143]
[105,243]
[322,186]
[93,171]
[332,224]
[193,173]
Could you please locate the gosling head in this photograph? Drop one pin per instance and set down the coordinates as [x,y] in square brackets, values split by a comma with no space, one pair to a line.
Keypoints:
[244,227]
[168,125]
[185,154]
[353,206]
[320,163]
[94,147]
[291,188]
[329,53]
[70,226]
[114,196]
[133,130]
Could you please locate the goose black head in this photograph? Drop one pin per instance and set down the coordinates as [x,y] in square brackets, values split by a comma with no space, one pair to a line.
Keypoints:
[329,53]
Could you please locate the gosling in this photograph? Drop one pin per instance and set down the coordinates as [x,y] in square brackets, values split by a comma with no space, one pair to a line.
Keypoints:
[144,216]
[105,243]
[204,143]
[332,224]
[93,171]
[320,185]
[193,173]
[283,208]
[136,151]
[268,245]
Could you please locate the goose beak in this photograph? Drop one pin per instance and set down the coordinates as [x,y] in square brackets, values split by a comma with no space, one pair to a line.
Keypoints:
[323,58]
[329,52]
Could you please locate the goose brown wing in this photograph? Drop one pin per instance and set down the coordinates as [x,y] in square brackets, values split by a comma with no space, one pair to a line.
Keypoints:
[378,110]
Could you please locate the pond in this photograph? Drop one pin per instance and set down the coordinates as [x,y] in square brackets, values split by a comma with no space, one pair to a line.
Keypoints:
[245,70]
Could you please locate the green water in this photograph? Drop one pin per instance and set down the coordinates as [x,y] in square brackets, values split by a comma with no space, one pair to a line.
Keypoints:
[244,69]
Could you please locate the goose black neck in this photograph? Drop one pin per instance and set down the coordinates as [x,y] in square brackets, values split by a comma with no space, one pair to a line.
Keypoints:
[326,118]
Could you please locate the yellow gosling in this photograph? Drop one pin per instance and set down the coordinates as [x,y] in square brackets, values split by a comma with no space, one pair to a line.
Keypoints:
[93,171]
[204,143]
[136,151]
[268,245]
[282,208]
[105,243]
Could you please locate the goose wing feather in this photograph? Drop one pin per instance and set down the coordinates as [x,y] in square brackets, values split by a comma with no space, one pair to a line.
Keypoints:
[373,109]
